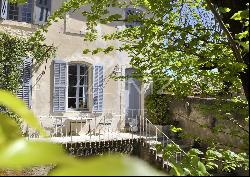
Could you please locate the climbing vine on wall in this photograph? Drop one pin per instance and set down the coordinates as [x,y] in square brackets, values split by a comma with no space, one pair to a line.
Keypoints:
[158,110]
[13,50]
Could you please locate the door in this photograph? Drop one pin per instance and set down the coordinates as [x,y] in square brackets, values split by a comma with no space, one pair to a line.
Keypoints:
[132,98]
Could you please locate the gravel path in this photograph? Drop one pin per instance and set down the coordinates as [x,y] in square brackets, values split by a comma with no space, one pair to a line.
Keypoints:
[35,171]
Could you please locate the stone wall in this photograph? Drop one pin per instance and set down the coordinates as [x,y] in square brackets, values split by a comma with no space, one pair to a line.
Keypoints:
[202,117]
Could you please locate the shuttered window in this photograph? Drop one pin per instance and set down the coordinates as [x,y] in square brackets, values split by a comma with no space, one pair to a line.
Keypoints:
[25,91]
[78,87]
[98,79]
[71,87]
[4,9]
[60,85]
[17,12]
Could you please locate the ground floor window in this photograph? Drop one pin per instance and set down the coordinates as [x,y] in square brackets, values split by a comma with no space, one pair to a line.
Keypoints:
[78,87]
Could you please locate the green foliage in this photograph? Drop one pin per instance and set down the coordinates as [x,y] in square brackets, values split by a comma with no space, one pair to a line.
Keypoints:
[243,37]
[236,113]
[157,110]
[241,15]
[17,106]
[159,148]
[189,165]
[226,160]
[196,163]
[180,44]
[224,9]
[17,153]
[175,129]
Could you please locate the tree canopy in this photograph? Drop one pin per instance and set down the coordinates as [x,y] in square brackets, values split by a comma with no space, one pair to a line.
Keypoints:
[184,46]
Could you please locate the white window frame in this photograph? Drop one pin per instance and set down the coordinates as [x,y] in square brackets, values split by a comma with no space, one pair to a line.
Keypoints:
[77,89]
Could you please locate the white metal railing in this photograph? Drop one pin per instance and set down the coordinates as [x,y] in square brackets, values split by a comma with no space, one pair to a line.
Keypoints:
[153,135]
[140,128]
[64,126]
[59,123]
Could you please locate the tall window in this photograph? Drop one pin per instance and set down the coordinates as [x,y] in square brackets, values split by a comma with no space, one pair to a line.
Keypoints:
[78,87]
[13,12]
[42,10]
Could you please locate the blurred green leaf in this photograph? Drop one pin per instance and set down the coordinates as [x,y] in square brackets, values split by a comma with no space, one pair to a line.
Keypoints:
[22,154]
[9,130]
[114,165]
[177,170]
[18,106]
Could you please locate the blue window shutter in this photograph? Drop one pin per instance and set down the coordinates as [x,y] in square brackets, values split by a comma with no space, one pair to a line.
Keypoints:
[60,86]
[4,9]
[98,79]
[25,91]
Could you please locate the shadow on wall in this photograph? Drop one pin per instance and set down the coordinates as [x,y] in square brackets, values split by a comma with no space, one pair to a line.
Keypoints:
[77,15]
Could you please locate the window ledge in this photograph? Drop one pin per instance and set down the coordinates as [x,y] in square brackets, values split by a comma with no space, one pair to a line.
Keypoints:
[19,25]
[75,111]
